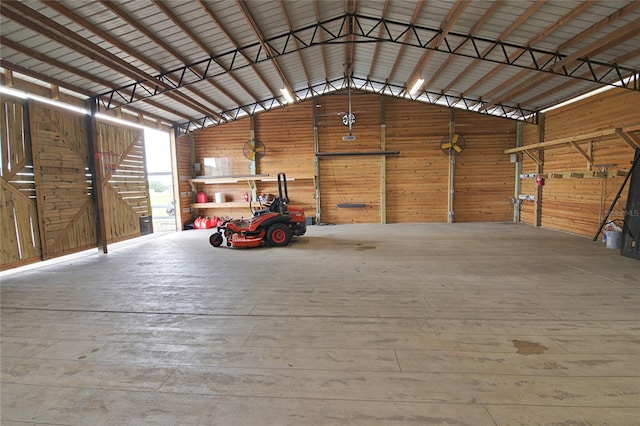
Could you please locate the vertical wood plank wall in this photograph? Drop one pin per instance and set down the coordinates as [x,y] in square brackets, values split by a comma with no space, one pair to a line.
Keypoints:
[484,175]
[349,180]
[185,162]
[288,135]
[125,189]
[47,205]
[61,163]
[416,180]
[578,205]
[19,230]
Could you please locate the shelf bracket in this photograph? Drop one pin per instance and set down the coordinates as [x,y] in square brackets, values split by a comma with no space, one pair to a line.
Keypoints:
[533,157]
[628,138]
[582,152]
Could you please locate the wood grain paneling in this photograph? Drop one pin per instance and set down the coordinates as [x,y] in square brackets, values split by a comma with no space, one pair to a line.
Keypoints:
[417,178]
[575,204]
[415,181]
[346,182]
[288,136]
[63,189]
[125,189]
[19,230]
[484,175]
[349,180]
[185,157]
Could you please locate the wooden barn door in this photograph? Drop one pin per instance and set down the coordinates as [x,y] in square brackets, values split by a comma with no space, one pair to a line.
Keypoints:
[350,189]
[349,184]
[127,205]
[66,212]
[19,230]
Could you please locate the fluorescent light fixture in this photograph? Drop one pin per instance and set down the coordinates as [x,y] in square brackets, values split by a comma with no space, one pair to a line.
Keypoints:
[416,86]
[287,95]
[24,95]
[592,93]
[106,117]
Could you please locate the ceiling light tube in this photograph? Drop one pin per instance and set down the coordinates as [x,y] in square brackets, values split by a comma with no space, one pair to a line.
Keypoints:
[416,86]
[287,95]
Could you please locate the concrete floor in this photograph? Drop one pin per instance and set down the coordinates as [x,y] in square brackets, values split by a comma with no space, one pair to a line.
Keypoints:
[430,324]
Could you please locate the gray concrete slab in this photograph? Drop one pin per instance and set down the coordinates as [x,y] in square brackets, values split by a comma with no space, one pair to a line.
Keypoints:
[469,324]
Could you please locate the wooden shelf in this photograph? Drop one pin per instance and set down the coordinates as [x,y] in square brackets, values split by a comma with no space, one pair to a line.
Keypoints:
[227,205]
[624,133]
[251,179]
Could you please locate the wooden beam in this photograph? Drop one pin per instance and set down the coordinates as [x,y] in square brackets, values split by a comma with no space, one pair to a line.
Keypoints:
[97,172]
[383,162]
[537,219]
[629,140]
[582,152]
[533,157]
[563,141]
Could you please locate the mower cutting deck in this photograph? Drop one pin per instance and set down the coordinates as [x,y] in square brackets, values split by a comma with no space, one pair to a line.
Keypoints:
[276,224]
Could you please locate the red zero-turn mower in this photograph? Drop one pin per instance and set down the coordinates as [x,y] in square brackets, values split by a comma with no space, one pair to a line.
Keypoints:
[277,223]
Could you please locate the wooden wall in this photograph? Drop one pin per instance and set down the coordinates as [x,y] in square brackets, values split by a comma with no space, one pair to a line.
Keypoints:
[348,181]
[417,178]
[288,136]
[185,156]
[125,186]
[353,189]
[484,175]
[48,203]
[575,204]
[19,230]
[66,211]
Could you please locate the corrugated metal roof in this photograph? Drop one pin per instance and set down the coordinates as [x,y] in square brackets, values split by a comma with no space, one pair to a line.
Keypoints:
[188,60]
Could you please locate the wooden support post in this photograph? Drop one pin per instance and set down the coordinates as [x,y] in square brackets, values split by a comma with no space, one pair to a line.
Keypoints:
[97,173]
[518,171]
[252,140]
[452,165]
[539,171]
[173,147]
[316,149]
[383,163]
[8,77]
[31,141]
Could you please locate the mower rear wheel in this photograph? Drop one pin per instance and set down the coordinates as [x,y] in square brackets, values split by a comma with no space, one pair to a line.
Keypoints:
[215,239]
[279,235]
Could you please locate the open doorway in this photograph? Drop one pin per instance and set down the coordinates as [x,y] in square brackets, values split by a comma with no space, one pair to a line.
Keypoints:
[159,174]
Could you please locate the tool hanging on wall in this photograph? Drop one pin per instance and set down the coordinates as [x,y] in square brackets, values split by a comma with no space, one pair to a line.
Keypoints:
[349,119]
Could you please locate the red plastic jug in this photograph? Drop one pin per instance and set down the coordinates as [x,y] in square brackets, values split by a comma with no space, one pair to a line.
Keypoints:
[201,197]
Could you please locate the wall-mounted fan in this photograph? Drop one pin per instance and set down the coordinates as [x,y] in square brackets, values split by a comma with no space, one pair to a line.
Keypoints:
[453,144]
[254,150]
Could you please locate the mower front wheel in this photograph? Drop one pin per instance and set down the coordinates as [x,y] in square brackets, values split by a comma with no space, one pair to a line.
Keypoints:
[279,235]
[215,239]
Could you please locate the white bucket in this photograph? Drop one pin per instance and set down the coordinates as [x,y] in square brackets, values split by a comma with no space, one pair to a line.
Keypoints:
[219,197]
[613,239]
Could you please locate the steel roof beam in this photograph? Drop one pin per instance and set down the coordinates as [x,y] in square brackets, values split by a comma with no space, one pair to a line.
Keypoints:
[454,14]
[149,34]
[207,9]
[253,25]
[514,112]
[180,97]
[337,29]
[407,35]
[37,22]
[524,75]
[295,42]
